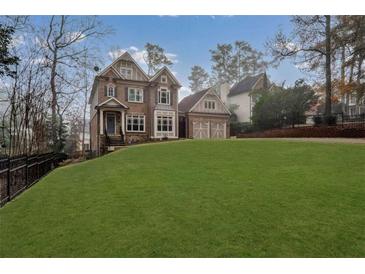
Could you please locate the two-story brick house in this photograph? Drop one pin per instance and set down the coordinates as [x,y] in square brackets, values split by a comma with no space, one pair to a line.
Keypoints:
[127,106]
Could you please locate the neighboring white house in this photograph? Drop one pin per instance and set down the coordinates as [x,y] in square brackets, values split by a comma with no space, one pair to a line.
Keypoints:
[241,95]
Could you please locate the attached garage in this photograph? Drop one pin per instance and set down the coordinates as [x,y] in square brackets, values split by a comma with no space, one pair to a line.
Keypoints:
[204,116]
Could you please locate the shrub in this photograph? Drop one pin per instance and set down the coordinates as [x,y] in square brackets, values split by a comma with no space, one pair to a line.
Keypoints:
[317,120]
[331,120]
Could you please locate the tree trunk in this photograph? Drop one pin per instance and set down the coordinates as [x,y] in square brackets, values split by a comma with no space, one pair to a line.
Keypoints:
[84,117]
[54,101]
[328,108]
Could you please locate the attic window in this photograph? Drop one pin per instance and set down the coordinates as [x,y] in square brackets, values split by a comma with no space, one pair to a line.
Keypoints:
[163,79]
[126,72]
[209,104]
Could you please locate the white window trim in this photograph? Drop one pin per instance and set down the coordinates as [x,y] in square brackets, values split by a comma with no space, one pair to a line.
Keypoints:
[172,124]
[169,134]
[210,101]
[136,89]
[139,116]
[159,96]
[126,68]
[107,90]
[163,77]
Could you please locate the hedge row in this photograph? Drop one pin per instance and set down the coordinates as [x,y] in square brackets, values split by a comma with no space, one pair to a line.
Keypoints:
[325,132]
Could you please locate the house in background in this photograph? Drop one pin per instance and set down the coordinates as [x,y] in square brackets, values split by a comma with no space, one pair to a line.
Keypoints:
[203,115]
[128,106]
[241,95]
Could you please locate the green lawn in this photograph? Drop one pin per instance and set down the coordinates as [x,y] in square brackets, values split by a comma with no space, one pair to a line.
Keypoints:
[232,198]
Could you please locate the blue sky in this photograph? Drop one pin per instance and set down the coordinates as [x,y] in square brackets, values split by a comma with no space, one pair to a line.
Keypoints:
[189,38]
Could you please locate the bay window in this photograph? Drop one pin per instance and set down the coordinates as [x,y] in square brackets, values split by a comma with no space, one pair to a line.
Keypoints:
[164,123]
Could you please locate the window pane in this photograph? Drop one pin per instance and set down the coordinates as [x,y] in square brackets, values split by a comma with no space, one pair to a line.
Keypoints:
[131,95]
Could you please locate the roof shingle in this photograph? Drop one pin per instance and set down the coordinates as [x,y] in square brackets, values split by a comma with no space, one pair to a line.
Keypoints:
[189,101]
[245,85]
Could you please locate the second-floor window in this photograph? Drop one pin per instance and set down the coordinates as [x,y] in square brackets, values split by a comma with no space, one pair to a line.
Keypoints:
[135,95]
[164,96]
[126,72]
[111,91]
[209,104]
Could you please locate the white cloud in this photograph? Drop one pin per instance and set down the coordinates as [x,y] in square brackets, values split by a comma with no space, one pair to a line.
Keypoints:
[133,48]
[184,91]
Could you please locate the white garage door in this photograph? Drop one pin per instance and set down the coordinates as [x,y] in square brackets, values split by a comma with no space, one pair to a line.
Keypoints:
[217,130]
[200,130]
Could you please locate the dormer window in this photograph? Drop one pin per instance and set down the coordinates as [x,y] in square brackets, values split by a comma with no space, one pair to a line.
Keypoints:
[209,104]
[126,72]
[111,91]
[164,79]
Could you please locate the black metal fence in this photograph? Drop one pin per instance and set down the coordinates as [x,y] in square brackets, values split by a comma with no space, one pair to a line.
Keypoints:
[21,172]
[338,119]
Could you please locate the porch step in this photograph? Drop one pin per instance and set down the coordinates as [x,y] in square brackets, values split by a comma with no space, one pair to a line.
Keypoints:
[115,141]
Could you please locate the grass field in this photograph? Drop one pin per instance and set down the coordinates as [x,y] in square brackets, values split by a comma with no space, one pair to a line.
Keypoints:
[232,198]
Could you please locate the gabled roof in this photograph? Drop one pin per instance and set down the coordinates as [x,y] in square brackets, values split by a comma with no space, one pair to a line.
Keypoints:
[124,56]
[159,72]
[113,99]
[246,85]
[189,101]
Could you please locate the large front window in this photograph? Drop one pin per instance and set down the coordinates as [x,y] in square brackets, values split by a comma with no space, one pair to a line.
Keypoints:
[164,96]
[135,123]
[135,95]
[164,123]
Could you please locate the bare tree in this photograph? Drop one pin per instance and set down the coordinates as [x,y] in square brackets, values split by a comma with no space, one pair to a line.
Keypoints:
[310,42]
[62,42]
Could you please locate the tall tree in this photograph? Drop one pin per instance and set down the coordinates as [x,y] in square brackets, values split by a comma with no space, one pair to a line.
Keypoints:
[310,42]
[248,61]
[6,58]
[155,57]
[61,41]
[198,78]
[232,63]
[223,63]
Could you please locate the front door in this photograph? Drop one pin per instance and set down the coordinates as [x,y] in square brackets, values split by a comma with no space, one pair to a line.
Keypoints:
[110,123]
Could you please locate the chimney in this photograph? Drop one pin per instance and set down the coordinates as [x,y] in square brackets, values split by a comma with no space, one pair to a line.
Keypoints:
[223,92]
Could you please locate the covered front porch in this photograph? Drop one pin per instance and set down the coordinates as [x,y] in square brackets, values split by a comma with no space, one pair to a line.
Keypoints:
[111,123]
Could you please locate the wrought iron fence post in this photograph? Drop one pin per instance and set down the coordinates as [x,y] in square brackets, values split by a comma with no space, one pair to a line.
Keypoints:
[8,179]
[26,170]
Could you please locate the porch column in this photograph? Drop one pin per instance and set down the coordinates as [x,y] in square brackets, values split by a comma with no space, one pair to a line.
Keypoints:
[122,121]
[101,121]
